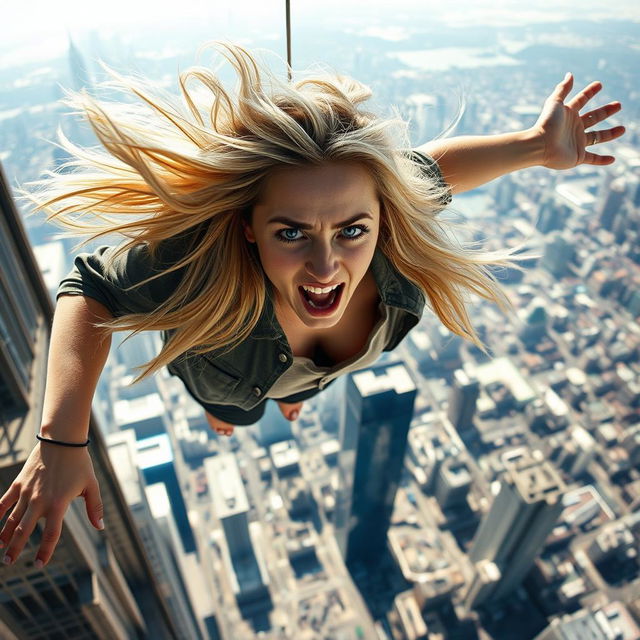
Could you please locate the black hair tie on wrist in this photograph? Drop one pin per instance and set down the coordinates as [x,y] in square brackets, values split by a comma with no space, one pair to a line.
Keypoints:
[64,444]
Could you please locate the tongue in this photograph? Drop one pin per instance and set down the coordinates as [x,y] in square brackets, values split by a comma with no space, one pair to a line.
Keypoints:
[320,300]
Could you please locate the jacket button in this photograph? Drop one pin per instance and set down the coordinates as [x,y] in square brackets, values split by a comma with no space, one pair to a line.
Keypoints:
[282,357]
[257,391]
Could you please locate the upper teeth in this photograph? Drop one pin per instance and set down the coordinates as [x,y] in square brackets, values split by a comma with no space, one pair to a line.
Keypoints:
[320,289]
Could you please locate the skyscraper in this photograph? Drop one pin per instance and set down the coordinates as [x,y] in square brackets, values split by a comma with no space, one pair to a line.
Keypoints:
[610,197]
[551,215]
[273,426]
[79,129]
[452,483]
[97,584]
[242,552]
[80,75]
[164,553]
[514,531]
[558,254]
[612,620]
[155,458]
[535,323]
[462,400]
[373,432]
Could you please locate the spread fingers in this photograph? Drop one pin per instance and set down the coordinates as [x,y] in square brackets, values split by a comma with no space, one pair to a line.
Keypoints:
[50,536]
[21,532]
[12,521]
[580,99]
[598,115]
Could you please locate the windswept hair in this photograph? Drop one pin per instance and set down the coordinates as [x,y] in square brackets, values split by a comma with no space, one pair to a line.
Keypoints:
[170,168]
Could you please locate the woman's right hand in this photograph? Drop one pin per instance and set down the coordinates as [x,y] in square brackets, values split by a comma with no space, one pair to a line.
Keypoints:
[50,479]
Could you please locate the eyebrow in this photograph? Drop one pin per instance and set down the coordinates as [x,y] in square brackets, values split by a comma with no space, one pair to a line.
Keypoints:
[301,225]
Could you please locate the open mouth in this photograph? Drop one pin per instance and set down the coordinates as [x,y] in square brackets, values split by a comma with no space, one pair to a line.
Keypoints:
[321,304]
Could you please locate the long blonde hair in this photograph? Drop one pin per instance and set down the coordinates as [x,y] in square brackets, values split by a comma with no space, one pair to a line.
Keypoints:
[168,170]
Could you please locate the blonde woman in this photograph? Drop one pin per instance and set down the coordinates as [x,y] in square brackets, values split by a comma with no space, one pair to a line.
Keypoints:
[278,237]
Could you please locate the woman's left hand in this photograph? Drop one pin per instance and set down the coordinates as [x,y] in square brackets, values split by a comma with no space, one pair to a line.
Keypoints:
[567,134]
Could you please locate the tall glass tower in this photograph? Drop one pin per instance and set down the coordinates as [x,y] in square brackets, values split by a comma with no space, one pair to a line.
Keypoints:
[374,425]
[514,531]
[97,584]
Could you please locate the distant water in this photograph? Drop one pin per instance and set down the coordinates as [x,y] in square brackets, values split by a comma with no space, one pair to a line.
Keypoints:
[453,57]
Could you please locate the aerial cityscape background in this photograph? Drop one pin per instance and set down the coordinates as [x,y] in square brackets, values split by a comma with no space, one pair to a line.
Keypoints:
[439,494]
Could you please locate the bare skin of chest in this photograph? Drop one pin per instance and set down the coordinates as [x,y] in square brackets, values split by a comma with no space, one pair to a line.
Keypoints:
[328,347]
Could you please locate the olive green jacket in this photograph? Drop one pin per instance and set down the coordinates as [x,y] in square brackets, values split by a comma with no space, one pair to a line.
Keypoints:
[243,376]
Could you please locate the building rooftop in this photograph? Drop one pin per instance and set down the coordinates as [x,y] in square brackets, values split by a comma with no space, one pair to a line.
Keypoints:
[575,194]
[154,451]
[122,446]
[393,377]
[284,454]
[225,485]
[503,370]
[158,499]
[143,408]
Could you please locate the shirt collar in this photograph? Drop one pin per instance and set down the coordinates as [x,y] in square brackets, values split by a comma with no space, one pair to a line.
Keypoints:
[395,291]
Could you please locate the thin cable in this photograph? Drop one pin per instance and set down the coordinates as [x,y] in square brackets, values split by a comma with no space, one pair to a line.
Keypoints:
[288,12]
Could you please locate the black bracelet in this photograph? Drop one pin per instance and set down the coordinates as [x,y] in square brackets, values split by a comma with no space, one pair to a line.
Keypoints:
[64,444]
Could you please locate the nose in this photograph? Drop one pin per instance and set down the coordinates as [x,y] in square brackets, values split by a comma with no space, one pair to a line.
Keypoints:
[322,262]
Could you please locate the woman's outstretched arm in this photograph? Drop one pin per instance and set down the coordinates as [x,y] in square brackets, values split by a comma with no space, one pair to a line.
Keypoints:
[558,140]
[54,475]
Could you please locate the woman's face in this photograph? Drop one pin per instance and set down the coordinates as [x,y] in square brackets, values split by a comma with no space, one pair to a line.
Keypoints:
[315,227]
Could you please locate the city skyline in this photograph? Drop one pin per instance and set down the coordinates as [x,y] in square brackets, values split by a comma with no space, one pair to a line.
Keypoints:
[552,413]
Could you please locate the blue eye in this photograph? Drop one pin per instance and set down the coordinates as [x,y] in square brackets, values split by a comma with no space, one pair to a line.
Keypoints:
[289,234]
[285,237]
[361,228]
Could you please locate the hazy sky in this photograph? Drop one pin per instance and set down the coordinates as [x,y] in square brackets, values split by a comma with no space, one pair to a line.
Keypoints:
[38,29]
[23,20]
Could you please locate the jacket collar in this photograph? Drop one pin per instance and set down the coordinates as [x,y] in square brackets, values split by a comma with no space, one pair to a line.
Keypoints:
[395,291]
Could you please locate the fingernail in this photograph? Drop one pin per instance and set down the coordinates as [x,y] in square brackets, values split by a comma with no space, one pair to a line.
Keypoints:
[101,524]
[38,564]
[7,559]
[294,415]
